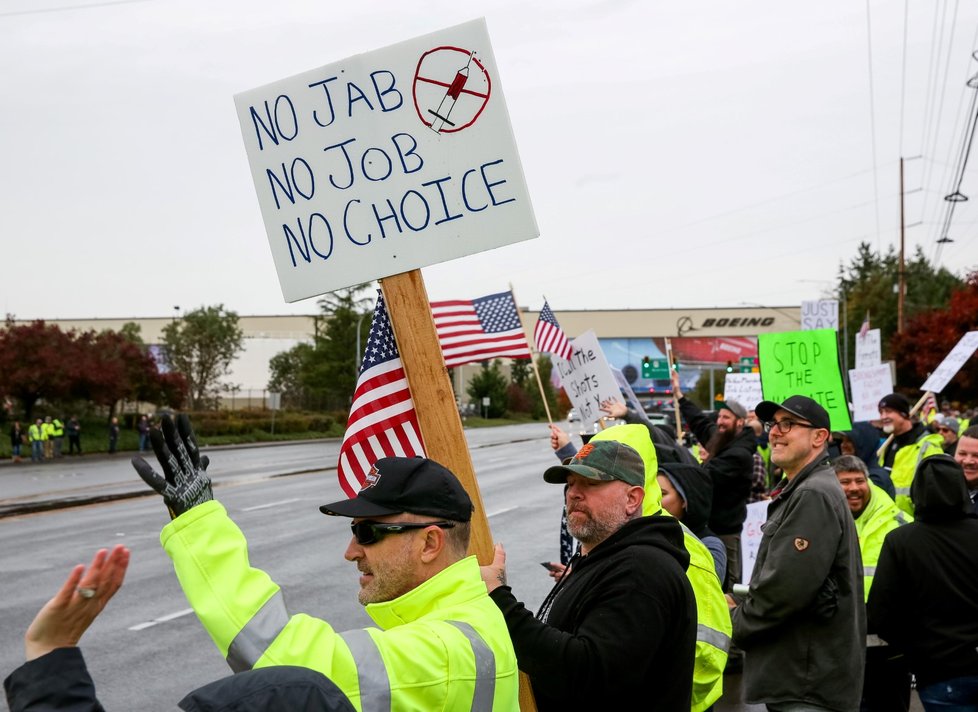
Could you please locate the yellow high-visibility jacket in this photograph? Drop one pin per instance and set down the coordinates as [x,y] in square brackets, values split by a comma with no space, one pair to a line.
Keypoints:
[443,645]
[905,464]
[880,517]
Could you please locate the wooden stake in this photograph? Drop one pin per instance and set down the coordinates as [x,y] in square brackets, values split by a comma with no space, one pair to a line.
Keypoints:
[675,400]
[438,418]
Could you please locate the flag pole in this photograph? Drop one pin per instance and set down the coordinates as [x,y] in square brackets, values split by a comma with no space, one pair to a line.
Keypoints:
[533,361]
[675,400]
[913,411]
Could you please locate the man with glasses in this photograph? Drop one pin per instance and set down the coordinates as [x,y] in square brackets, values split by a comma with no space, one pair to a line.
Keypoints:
[947,428]
[802,623]
[441,642]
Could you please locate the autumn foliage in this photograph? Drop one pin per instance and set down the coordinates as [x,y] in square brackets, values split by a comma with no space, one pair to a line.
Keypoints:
[930,335]
[40,361]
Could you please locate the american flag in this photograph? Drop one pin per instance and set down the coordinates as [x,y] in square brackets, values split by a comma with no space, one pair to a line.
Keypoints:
[549,336]
[479,329]
[865,327]
[382,419]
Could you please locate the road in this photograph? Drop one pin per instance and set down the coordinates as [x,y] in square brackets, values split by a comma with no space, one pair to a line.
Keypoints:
[148,649]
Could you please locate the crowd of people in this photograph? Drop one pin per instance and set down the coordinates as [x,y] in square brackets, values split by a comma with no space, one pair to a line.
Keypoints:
[864,583]
[45,437]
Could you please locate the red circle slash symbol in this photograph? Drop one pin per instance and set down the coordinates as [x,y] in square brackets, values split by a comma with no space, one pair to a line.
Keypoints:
[451,89]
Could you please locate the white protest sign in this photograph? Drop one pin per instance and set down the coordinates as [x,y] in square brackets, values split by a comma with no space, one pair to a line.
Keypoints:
[587,378]
[867,386]
[745,388]
[385,162]
[821,314]
[952,363]
[868,349]
[750,538]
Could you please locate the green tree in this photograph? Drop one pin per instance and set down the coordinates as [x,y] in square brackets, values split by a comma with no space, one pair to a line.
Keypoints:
[201,345]
[130,331]
[288,375]
[489,382]
[867,285]
[544,368]
[331,369]
[521,373]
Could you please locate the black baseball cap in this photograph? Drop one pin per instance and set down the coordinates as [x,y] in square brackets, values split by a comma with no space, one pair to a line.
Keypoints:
[415,485]
[800,406]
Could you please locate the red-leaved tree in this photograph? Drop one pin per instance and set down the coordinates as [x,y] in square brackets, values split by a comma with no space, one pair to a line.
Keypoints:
[929,337]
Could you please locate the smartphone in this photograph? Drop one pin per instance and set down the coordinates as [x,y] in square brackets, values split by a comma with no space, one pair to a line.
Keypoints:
[549,566]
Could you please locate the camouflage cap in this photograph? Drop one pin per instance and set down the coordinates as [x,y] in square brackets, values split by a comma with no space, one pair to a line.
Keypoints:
[603,460]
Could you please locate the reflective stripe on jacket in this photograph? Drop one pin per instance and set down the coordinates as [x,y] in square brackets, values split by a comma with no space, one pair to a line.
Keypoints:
[905,464]
[443,645]
[880,517]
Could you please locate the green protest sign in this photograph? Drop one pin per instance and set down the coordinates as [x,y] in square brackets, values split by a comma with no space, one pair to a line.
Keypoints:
[804,363]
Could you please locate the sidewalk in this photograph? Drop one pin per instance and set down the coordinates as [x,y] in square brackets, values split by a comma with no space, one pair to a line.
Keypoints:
[73,481]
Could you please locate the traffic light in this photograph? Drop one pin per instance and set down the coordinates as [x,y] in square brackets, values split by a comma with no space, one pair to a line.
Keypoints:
[646,367]
[730,367]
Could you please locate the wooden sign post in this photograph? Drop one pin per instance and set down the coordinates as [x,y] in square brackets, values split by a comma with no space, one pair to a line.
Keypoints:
[438,418]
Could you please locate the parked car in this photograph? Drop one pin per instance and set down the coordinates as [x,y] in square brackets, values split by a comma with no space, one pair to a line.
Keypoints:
[572,416]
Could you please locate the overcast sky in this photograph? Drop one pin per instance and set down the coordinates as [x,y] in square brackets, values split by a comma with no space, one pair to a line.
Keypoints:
[677,154]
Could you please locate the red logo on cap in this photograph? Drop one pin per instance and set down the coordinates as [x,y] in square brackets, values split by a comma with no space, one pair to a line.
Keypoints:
[584,452]
[372,478]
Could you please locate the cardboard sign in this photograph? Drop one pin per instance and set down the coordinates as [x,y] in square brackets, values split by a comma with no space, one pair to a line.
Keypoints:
[868,386]
[745,388]
[823,314]
[868,349]
[587,379]
[385,162]
[750,538]
[804,363]
[952,363]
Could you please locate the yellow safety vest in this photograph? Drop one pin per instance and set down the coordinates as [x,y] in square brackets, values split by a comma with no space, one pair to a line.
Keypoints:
[57,428]
[905,464]
[36,432]
[713,625]
[880,517]
[443,645]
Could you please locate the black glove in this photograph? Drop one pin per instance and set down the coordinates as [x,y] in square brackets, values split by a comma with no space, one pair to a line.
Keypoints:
[186,483]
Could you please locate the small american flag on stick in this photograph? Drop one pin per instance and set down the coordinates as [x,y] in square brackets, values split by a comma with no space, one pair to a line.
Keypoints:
[472,330]
[549,336]
[382,419]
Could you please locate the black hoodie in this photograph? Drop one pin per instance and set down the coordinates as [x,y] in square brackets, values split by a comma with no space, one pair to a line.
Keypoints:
[924,599]
[697,491]
[619,627]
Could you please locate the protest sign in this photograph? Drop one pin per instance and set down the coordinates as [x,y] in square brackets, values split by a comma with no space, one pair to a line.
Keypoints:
[868,386]
[745,388]
[804,363]
[750,538]
[631,399]
[952,363]
[587,378]
[821,314]
[868,350]
[385,162]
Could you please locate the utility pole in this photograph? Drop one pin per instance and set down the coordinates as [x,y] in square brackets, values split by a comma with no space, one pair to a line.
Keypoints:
[901,283]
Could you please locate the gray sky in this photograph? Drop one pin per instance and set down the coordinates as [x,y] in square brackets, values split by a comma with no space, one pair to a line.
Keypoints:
[677,154]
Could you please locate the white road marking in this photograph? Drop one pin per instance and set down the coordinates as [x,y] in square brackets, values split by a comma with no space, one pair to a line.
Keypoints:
[271,504]
[502,511]
[162,619]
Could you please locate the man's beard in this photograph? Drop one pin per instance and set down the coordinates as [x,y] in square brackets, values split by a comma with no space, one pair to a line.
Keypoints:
[720,440]
[593,531]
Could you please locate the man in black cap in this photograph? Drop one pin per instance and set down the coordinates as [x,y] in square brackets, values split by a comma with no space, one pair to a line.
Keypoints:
[620,624]
[441,643]
[911,443]
[802,623]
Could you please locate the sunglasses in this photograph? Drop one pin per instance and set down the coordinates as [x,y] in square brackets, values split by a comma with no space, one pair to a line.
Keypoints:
[369,532]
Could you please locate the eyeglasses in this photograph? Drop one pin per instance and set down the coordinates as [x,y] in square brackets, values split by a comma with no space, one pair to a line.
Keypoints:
[784,426]
[369,532]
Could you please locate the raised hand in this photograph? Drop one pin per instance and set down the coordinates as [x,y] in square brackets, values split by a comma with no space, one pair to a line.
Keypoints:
[184,483]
